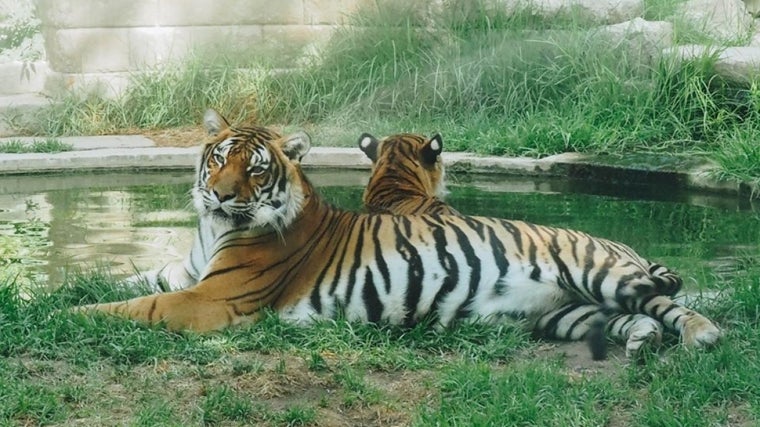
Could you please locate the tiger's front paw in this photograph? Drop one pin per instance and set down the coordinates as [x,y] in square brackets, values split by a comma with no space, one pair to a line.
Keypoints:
[700,332]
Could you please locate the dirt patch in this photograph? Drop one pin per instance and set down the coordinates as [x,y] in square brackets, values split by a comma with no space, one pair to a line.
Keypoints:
[284,381]
[577,357]
[189,136]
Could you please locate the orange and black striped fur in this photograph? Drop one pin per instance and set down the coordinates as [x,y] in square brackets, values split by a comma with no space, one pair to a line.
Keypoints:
[408,178]
[278,244]
[183,274]
[407,175]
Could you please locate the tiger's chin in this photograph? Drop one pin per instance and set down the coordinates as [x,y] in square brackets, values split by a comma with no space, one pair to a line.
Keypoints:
[264,218]
[232,220]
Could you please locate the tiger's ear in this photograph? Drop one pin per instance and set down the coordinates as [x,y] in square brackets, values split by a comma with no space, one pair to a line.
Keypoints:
[368,144]
[214,122]
[296,145]
[432,149]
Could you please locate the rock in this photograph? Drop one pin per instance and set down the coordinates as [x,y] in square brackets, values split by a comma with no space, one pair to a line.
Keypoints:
[739,63]
[753,6]
[689,52]
[643,40]
[723,20]
[755,39]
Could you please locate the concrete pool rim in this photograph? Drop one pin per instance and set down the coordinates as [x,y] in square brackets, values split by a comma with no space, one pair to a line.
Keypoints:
[136,152]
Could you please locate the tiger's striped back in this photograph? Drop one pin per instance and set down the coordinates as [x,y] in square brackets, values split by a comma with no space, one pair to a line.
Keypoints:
[407,175]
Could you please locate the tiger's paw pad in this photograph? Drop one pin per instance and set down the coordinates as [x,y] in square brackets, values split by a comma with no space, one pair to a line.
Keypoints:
[700,332]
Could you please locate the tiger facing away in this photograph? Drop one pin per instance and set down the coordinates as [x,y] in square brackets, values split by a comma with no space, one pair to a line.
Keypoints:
[407,178]
[407,175]
[278,244]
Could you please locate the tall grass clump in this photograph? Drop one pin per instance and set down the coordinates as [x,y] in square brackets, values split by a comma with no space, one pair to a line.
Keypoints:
[505,82]
[490,79]
[166,97]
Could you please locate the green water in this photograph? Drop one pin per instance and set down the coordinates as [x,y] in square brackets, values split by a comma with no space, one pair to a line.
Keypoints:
[50,225]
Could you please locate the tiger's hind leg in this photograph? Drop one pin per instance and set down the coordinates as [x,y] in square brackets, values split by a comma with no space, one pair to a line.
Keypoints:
[639,295]
[579,321]
[638,330]
[696,330]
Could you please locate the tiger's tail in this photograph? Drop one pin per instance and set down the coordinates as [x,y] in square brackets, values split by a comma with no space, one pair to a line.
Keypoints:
[596,337]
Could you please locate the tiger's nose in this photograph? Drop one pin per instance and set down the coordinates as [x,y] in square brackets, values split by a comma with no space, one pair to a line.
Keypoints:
[224,197]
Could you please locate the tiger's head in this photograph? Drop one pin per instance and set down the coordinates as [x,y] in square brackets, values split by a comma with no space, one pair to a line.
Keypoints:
[403,165]
[249,176]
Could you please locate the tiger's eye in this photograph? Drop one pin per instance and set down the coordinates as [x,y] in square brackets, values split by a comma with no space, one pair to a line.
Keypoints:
[257,170]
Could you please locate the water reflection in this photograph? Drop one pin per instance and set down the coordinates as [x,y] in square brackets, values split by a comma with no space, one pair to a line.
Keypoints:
[52,224]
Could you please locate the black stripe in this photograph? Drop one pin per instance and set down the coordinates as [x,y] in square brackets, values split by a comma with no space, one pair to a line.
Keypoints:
[371,299]
[339,265]
[352,272]
[474,263]
[152,309]
[499,252]
[535,274]
[316,300]
[588,264]
[379,258]
[642,306]
[565,279]
[549,329]
[446,260]
[579,322]
[415,272]
[601,274]
[514,230]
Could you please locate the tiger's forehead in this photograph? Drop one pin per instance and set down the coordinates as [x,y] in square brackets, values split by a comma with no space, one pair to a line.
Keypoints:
[225,146]
[260,155]
[257,151]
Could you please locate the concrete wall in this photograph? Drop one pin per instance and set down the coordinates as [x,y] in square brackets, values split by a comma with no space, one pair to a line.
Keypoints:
[100,42]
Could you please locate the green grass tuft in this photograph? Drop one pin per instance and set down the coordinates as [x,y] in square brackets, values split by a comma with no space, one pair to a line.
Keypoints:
[50,145]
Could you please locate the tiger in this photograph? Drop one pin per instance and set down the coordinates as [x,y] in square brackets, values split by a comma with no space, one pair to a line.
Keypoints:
[177,275]
[279,246]
[407,175]
[407,178]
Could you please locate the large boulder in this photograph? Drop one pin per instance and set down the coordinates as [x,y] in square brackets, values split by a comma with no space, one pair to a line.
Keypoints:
[643,40]
[740,64]
[723,20]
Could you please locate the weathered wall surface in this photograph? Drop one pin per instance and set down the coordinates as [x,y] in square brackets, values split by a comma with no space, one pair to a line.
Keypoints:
[103,41]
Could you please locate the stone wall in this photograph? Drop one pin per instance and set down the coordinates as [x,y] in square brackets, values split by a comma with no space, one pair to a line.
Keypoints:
[100,42]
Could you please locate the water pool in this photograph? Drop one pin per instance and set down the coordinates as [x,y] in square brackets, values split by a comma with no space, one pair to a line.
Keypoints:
[54,224]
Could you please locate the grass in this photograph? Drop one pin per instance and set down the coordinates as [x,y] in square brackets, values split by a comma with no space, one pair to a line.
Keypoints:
[49,145]
[20,37]
[490,81]
[61,368]
[56,368]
